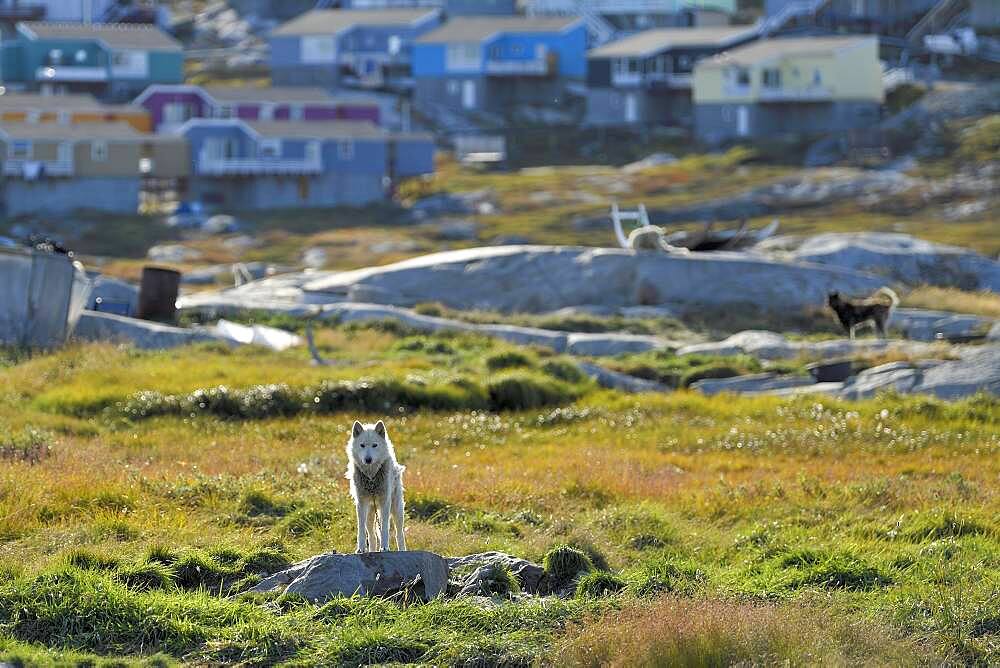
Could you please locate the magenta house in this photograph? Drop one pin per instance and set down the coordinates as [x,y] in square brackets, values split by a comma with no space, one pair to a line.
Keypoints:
[170,106]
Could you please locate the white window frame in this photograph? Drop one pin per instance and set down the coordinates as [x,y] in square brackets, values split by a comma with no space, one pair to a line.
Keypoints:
[296,112]
[463,57]
[27,149]
[225,111]
[313,150]
[454,87]
[64,152]
[33,116]
[395,45]
[98,150]
[64,117]
[171,109]
[345,149]
[266,111]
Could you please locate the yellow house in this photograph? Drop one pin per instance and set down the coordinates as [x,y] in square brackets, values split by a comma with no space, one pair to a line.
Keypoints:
[808,85]
[69,108]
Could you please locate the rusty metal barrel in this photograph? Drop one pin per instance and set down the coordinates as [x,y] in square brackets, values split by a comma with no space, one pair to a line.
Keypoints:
[158,294]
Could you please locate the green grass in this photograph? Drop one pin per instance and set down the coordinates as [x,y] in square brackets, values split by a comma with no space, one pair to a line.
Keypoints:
[687,529]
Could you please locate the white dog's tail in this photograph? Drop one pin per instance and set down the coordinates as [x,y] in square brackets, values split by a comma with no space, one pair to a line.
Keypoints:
[888,292]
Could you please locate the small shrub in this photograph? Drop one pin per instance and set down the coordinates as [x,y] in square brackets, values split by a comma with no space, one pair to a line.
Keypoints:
[429,509]
[497,580]
[597,558]
[159,554]
[564,564]
[90,561]
[599,585]
[264,560]
[522,391]
[564,370]
[433,309]
[256,503]
[198,571]
[304,521]
[146,576]
[509,359]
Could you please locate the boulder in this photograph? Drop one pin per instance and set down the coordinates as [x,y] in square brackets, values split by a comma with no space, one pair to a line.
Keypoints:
[615,380]
[530,576]
[902,258]
[173,253]
[331,575]
[458,230]
[774,346]
[760,383]
[539,279]
[94,326]
[922,325]
[605,345]
[978,370]
[994,333]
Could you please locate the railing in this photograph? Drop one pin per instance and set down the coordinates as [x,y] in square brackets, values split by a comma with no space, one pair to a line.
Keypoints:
[938,17]
[36,169]
[71,73]
[790,11]
[668,79]
[214,166]
[766,94]
[896,77]
[535,66]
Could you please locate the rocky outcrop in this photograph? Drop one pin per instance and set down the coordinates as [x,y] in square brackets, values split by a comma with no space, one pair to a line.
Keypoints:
[921,325]
[761,383]
[977,371]
[530,576]
[547,278]
[94,326]
[330,575]
[897,257]
[614,380]
[773,346]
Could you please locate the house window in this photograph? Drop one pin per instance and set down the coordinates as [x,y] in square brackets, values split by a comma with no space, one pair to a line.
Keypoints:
[740,76]
[33,116]
[633,65]
[317,49]
[463,56]
[266,112]
[817,78]
[176,112]
[295,112]
[370,41]
[313,151]
[64,118]
[772,78]
[99,151]
[55,57]
[496,52]
[395,44]
[345,149]
[453,87]
[683,63]
[81,57]
[64,152]
[19,150]
[269,148]
[516,50]
[224,111]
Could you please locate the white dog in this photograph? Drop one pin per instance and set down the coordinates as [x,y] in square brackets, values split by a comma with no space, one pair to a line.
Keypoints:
[376,486]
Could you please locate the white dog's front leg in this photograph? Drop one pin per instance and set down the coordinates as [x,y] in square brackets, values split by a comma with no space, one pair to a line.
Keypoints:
[362,506]
[397,519]
[372,529]
[383,519]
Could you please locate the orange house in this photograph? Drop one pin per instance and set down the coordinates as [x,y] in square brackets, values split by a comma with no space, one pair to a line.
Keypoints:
[70,108]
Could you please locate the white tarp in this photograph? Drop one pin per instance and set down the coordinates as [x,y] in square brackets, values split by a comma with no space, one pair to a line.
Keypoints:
[258,335]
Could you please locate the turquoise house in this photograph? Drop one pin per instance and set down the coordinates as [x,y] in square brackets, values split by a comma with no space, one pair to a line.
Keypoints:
[112,61]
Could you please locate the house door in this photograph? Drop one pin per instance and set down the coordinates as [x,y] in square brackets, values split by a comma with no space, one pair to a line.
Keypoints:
[742,121]
[469,94]
[631,108]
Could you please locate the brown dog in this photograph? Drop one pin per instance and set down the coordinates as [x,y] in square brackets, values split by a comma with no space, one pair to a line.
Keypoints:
[877,310]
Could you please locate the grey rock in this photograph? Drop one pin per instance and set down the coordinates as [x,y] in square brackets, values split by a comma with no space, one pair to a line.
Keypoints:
[652,160]
[978,370]
[546,278]
[753,384]
[605,345]
[94,326]
[922,325]
[903,258]
[330,575]
[994,333]
[615,380]
[172,253]
[530,576]
[774,346]
[458,230]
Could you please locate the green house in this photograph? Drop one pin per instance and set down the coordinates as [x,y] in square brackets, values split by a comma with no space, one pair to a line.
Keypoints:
[112,61]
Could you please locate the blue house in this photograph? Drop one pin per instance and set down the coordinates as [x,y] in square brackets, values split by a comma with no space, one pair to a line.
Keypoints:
[351,48]
[243,165]
[114,62]
[497,64]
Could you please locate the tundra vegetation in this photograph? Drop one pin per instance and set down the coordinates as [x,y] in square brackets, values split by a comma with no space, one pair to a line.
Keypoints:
[142,494]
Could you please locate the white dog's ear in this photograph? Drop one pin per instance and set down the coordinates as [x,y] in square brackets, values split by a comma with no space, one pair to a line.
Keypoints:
[358,429]
[380,429]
